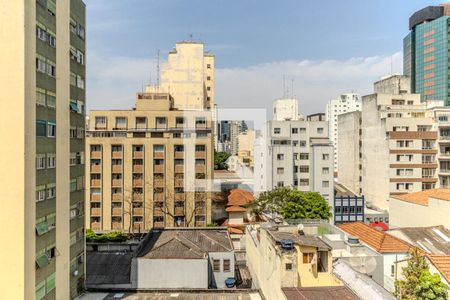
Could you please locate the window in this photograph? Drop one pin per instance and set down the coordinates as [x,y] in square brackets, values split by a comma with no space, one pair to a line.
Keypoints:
[302,143]
[200,121]
[51,129]
[160,121]
[40,97]
[73,79]
[304,156]
[51,99]
[40,290]
[100,121]
[280,171]
[80,82]
[325,156]
[208,66]
[51,190]
[41,128]
[80,57]
[325,184]
[202,134]
[40,161]
[280,156]
[216,265]
[52,39]
[226,265]
[40,193]
[319,130]
[121,122]
[51,160]
[73,158]
[294,130]
[276,130]
[179,121]
[304,169]
[200,148]
[51,68]
[325,171]
[304,182]
[41,66]
[73,185]
[288,267]
[280,183]
[41,33]
[308,258]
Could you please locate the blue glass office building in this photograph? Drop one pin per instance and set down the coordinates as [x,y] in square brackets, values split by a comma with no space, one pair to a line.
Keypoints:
[426,53]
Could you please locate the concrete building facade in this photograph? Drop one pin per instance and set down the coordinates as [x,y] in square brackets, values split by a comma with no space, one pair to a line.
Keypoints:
[297,154]
[42,126]
[152,166]
[285,110]
[347,102]
[397,139]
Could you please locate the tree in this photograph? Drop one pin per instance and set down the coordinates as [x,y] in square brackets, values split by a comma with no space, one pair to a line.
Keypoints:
[418,283]
[292,204]
[220,159]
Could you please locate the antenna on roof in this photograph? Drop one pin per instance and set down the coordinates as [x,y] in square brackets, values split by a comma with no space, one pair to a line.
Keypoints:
[157,70]
[284,87]
[292,88]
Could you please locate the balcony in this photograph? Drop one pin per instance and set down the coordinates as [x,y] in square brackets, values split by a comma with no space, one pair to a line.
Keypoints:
[158,197]
[96,197]
[179,168]
[96,168]
[96,226]
[179,182]
[96,154]
[96,183]
[179,211]
[138,211]
[138,182]
[158,224]
[116,169]
[116,211]
[138,197]
[116,226]
[96,212]
[179,196]
[179,155]
[117,154]
[158,169]
[158,154]
[200,154]
[200,223]
[138,226]
[138,154]
[116,183]
[444,171]
[100,126]
[158,183]
[116,197]
[200,168]
[138,168]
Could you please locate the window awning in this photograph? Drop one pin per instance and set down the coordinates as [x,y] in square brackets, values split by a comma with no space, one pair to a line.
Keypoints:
[42,260]
[73,106]
[41,228]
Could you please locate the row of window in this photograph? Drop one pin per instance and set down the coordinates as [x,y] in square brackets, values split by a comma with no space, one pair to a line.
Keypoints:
[304,182]
[76,132]
[45,191]
[280,156]
[45,286]
[175,135]
[76,106]
[48,129]
[77,29]
[77,80]
[121,122]
[45,161]
[348,209]
[226,265]
[46,35]
[45,224]
[77,184]
[45,98]
[277,130]
[76,158]
[76,55]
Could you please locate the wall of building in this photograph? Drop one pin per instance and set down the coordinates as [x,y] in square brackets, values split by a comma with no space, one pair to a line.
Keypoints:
[171,273]
[285,109]
[308,275]
[217,279]
[349,156]
[389,260]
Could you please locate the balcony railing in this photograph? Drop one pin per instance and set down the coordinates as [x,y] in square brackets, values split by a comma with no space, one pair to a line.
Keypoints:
[179,196]
[96,183]
[116,169]
[96,168]
[158,224]
[96,197]
[200,154]
[179,154]
[138,183]
[96,154]
[158,183]
[96,212]
[117,154]
[158,154]
[138,211]
[158,197]
[138,226]
[116,197]
[116,226]
[138,168]
[179,182]
[138,154]
[179,168]
[138,197]
[158,211]
[200,168]
[158,168]
[200,223]
[96,226]
[179,211]
[116,182]
[116,211]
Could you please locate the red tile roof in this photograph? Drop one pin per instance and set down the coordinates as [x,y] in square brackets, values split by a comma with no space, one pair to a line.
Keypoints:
[421,198]
[442,263]
[235,208]
[240,197]
[378,240]
[319,293]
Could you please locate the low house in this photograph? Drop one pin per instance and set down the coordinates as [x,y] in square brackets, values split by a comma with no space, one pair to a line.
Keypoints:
[187,258]
[425,208]
[391,248]
[280,257]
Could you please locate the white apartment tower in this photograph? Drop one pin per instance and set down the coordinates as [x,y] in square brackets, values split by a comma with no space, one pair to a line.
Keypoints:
[344,103]
[285,110]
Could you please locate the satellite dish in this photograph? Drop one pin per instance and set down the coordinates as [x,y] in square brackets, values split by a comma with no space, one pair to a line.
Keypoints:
[362,263]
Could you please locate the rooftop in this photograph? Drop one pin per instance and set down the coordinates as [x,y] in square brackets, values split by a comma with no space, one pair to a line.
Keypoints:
[442,263]
[319,293]
[434,240]
[378,240]
[304,240]
[422,197]
[239,197]
[184,243]
[210,295]
[342,190]
[107,268]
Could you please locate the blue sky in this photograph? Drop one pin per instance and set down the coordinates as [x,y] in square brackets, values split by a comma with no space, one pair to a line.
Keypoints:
[326,47]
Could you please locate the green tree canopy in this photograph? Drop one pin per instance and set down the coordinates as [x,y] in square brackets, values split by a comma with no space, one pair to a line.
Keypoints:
[220,159]
[418,283]
[293,204]
[115,236]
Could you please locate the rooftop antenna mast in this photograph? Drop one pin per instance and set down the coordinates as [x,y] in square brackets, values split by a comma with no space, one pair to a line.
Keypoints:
[157,70]
[284,87]
[292,88]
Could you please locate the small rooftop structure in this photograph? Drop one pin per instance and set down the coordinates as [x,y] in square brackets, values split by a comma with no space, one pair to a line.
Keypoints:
[379,241]
[184,243]
[319,293]
[304,240]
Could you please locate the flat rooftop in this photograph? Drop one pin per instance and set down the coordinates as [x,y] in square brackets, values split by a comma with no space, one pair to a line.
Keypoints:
[217,295]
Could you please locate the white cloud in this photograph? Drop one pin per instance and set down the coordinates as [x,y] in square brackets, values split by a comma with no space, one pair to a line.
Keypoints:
[113,81]
[315,82]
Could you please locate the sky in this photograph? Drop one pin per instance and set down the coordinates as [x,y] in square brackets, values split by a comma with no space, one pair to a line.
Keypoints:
[321,48]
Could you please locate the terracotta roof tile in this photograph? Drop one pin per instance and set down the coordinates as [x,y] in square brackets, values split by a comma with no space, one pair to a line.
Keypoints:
[422,197]
[240,197]
[442,263]
[378,240]
[235,208]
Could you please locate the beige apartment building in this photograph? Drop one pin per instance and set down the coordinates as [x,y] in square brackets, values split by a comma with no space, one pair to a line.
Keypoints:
[151,166]
[42,154]
[395,145]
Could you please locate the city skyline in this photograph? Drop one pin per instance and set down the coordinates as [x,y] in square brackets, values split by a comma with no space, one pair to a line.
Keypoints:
[345,58]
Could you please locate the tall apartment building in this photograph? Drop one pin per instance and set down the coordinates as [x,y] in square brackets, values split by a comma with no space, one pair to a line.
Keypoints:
[151,166]
[298,154]
[393,146]
[42,126]
[347,102]
[426,52]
